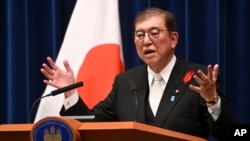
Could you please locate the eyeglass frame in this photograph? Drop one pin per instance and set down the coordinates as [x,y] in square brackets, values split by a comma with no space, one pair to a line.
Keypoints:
[149,34]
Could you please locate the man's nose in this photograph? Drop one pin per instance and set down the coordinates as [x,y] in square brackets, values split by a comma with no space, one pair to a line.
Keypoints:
[147,38]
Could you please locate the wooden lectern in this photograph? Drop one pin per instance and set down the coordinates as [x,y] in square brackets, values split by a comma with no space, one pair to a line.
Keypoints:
[101,131]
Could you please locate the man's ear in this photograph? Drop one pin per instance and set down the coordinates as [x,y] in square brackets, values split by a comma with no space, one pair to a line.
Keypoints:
[174,38]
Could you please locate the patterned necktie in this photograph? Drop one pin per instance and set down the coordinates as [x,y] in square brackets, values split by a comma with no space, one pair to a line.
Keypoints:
[156,93]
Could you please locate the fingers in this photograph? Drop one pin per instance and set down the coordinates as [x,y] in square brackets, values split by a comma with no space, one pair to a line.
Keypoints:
[195,88]
[55,76]
[49,83]
[200,79]
[48,76]
[52,64]
[212,74]
[46,70]
[206,82]
[215,72]
[55,67]
[67,66]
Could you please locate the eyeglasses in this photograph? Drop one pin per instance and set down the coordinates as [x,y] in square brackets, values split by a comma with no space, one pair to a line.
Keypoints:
[152,34]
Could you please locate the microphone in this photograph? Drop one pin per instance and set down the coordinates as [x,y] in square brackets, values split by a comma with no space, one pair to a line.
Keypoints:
[64,89]
[56,92]
[134,91]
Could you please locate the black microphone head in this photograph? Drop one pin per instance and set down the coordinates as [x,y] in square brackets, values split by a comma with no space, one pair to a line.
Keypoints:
[134,91]
[67,88]
[132,85]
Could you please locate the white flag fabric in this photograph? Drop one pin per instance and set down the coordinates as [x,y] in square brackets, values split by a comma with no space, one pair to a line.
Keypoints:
[92,45]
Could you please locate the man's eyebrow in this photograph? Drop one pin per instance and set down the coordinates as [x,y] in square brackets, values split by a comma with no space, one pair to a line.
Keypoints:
[154,28]
[140,30]
[151,28]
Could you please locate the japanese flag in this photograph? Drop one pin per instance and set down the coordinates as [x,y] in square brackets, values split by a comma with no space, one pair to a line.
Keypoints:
[92,45]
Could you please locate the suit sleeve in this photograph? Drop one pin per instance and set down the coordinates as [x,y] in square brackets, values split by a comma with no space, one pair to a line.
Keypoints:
[80,108]
[103,111]
[221,128]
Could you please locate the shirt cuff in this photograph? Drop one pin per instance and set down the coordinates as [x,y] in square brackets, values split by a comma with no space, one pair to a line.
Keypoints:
[70,101]
[215,109]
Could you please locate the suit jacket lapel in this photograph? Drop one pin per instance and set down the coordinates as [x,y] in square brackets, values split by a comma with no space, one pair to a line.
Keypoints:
[172,94]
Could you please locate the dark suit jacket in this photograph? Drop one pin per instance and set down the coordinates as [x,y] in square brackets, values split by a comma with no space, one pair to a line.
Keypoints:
[187,113]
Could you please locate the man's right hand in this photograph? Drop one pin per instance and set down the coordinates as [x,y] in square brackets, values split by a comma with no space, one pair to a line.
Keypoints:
[56,77]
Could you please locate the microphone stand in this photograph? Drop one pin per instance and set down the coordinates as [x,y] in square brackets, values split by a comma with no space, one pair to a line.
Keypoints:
[55,92]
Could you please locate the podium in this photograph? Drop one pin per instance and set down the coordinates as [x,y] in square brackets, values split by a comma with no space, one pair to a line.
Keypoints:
[99,131]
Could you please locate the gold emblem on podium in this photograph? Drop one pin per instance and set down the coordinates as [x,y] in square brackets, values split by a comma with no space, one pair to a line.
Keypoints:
[52,134]
[52,129]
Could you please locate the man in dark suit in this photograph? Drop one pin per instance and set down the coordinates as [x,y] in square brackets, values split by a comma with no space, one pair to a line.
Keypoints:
[188,99]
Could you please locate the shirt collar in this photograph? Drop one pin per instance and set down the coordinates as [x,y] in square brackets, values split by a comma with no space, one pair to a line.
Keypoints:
[165,73]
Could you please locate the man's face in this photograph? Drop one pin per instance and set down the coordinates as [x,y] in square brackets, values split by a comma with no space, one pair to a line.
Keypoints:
[154,44]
